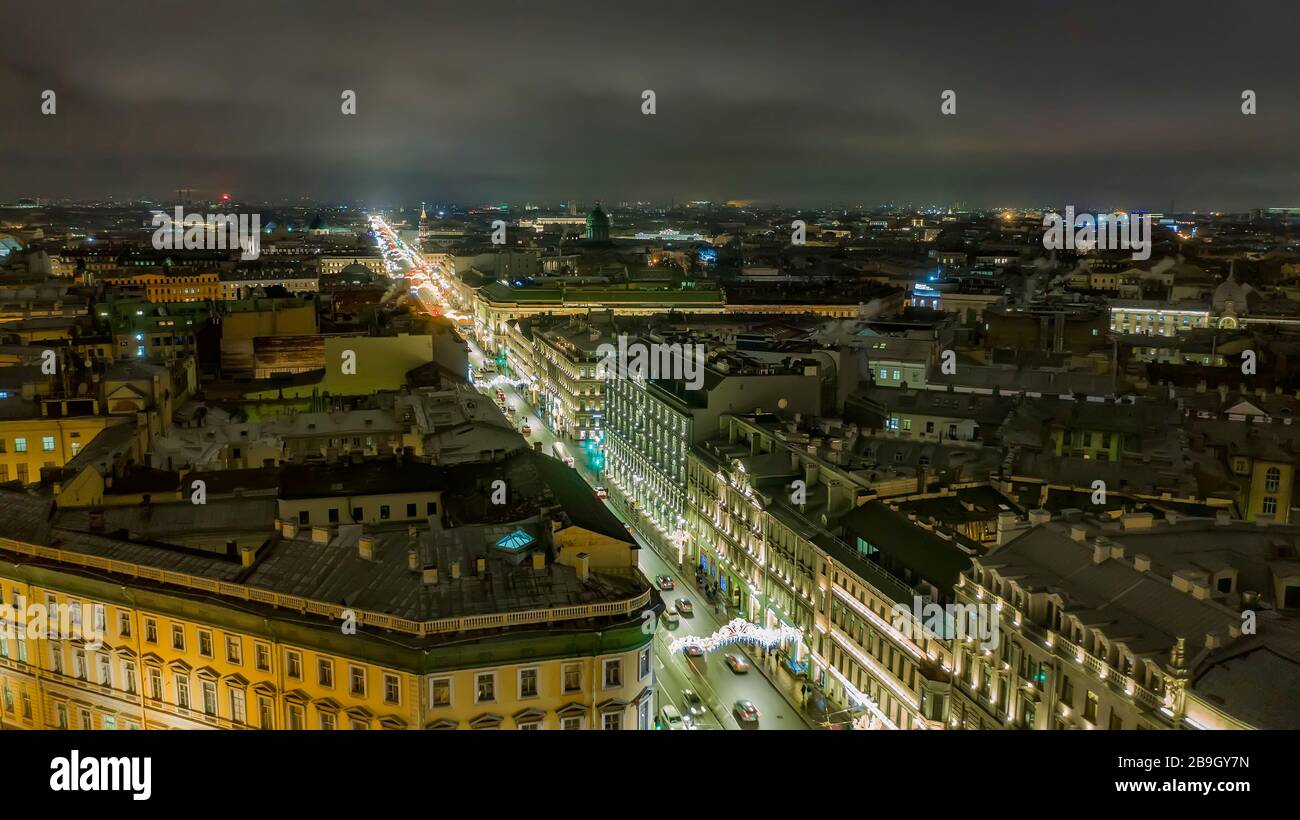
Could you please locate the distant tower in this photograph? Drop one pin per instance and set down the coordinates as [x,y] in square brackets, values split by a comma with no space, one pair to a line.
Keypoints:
[424,223]
[597,225]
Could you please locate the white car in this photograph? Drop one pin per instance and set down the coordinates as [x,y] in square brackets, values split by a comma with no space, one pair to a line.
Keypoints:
[671,718]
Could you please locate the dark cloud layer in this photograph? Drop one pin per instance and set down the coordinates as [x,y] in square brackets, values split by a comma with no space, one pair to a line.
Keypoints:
[1105,104]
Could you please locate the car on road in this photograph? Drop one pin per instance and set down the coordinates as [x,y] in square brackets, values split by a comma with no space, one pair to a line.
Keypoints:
[692,702]
[746,714]
[669,618]
[526,431]
[671,718]
[665,582]
[685,607]
[738,664]
[602,493]
[501,394]
[694,650]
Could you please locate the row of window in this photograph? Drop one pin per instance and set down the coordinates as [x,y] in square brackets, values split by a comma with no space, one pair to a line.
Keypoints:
[527,686]
[358,514]
[48,443]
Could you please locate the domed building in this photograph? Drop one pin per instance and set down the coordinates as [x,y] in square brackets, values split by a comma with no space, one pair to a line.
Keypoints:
[597,225]
[318,226]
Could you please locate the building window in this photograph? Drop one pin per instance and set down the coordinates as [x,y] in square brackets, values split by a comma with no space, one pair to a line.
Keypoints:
[357,681]
[527,683]
[234,650]
[392,689]
[238,709]
[325,672]
[265,713]
[155,684]
[263,653]
[1272,480]
[612,721]
[440,694]
[205,643]
[383,512]
[178,637]
[183,691]
[209,697]
[124,624]
[485,687]
[47,444]
[572,678]
[151,630]
[293,664]
[1270,505]
[613,673]
[295,717]
[643,664]
[1090,707]
[328,721]
[20,445]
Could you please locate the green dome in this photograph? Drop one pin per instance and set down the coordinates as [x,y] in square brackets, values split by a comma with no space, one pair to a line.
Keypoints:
[597,224]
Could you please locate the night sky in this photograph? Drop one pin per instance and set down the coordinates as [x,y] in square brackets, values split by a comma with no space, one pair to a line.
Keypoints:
[807,103]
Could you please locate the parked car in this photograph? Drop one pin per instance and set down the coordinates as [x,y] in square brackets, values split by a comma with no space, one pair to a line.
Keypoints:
[693,702]
[738,664]
[671,718]
[746,714]
[685,606]
[602,493]
[526,431]
[669,618]
[501,394]
[694,650]
[665,582]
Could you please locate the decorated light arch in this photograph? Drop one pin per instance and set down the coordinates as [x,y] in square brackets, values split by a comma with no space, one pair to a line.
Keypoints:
[739,631]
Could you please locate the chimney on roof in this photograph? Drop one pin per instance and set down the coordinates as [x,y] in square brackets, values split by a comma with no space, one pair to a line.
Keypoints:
[480,566]
[246,556]
[1142,563]
[320,535]
[412,560]
[366,547]
[429,577]
[455,570]
[539,561]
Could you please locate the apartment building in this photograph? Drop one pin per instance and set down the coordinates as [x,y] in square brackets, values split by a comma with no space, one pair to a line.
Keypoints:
[650,424]
[1138,622]
[334,627]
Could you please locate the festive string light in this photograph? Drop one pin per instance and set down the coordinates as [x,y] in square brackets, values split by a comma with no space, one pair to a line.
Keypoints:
[739,631]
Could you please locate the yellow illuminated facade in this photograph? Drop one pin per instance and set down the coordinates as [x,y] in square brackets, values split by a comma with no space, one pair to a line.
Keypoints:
[171,657]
